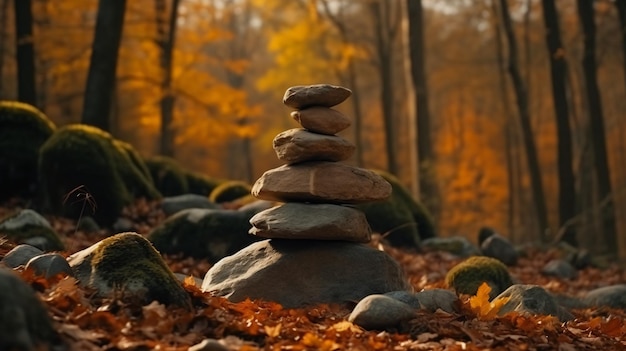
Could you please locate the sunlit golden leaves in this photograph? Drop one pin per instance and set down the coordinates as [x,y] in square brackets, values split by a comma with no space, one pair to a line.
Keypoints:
[482,307]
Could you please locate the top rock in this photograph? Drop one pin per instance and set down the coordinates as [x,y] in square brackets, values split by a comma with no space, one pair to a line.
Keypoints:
[303,96]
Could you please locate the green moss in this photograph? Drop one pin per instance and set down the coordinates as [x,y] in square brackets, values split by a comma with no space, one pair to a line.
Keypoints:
[23,129]
[402,219]
[201,184]
[87,157]
[169,177]
[136,175]
[468,275]
[127,257]
[230,191]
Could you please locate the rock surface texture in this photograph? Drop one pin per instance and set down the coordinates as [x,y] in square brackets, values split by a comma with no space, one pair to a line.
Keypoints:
[315,252]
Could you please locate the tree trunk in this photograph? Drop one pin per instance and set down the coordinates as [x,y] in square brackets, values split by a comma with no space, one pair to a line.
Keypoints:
[621,10]
[596,123]
[25,52]
[381,11]
[4,9]
[425,157]
[527,133]
[103,63]
[166,38]
[558,74]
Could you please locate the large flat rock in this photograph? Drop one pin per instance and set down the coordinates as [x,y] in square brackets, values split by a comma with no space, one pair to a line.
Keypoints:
[312,221]
[322,120]
[298,145]
[321,181]
[297,273]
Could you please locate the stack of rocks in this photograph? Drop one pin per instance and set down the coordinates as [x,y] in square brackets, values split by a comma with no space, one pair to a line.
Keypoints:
[313,184]
[314,251]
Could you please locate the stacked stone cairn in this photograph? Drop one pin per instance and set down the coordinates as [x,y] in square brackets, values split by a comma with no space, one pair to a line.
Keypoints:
[313,185]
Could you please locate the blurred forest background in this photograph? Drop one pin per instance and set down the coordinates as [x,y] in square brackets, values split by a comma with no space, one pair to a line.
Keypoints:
[502,113]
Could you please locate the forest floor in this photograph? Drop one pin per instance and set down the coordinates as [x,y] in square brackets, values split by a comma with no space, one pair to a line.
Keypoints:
[88,323]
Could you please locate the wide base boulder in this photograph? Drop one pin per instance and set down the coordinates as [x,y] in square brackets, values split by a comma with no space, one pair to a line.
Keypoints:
[296,273]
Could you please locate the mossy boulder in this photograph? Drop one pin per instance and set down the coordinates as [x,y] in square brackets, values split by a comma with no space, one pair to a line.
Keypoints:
[467,276]
[127,265]
[23,129]
[168,175]
[402,220]
[204,233]
[24,226]
[201,184]
[81,165]
[230,191]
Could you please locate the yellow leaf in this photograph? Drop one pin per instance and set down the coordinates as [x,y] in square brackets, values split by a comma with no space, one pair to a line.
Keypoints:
[189,281]
[481,305]
[273,331]
[346,325]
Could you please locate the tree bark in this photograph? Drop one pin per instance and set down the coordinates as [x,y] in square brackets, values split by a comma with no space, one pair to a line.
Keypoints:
[166,38]
[596,123]
[425,157]
[385,33]
[558,75]
[621,11]
[4,9]
[103,63]
[25,52]
[524,115]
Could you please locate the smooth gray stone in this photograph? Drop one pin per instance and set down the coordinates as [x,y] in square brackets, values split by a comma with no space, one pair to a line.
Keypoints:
[532,300]
[381,312]
[50,265]
[20,255]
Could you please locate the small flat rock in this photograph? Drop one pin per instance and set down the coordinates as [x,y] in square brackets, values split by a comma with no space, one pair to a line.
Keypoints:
[380,312]
[50,265]
[311,221]
[321,181]
[173,204]
[560,268]
[299,273]
[327,95]
[499,248]
[20,255]
[23,218]
[532,300]
[322,120]
[434,299]
[298,145]
[613,296]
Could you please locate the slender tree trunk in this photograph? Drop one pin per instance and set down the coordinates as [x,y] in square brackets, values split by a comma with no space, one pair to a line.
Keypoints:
[425,156]
[381,11]
[166,38]
[25,51]
[527,134]
[103,63]
[4,14]
[621,10]
[596,120]
[558,74]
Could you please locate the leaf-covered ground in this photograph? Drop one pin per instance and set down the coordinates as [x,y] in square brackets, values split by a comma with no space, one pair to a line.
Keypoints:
[88,323]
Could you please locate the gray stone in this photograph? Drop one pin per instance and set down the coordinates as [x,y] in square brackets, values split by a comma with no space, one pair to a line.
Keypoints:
[24,321]
[405,296]
[321,181]
[23,218]
[209,345]
[311,221]
[20,255]
[532,300]
[127,265]
[322,120]
[434,299]
[560,268]
[296,273]
[499,248]
[173,204]
[50,265]
[88,224]
[298,145]
[41,243]
[257,206]
[456,245]
[205,233]
[381,312]
[123,225]
[327,95]
[613,296]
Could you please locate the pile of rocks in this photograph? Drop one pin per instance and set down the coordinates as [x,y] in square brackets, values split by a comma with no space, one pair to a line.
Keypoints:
[313,254]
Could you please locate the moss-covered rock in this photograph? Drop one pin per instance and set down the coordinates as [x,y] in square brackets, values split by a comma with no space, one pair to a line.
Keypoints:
[201,184]
[401,219]
[467,276]
[204,233]
[24,225]
[23,129]
[169,177]
[230,191]
[85,162]
[127,265]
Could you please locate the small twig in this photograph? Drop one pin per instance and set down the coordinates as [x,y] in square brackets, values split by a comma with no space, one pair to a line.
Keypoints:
[82,195]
